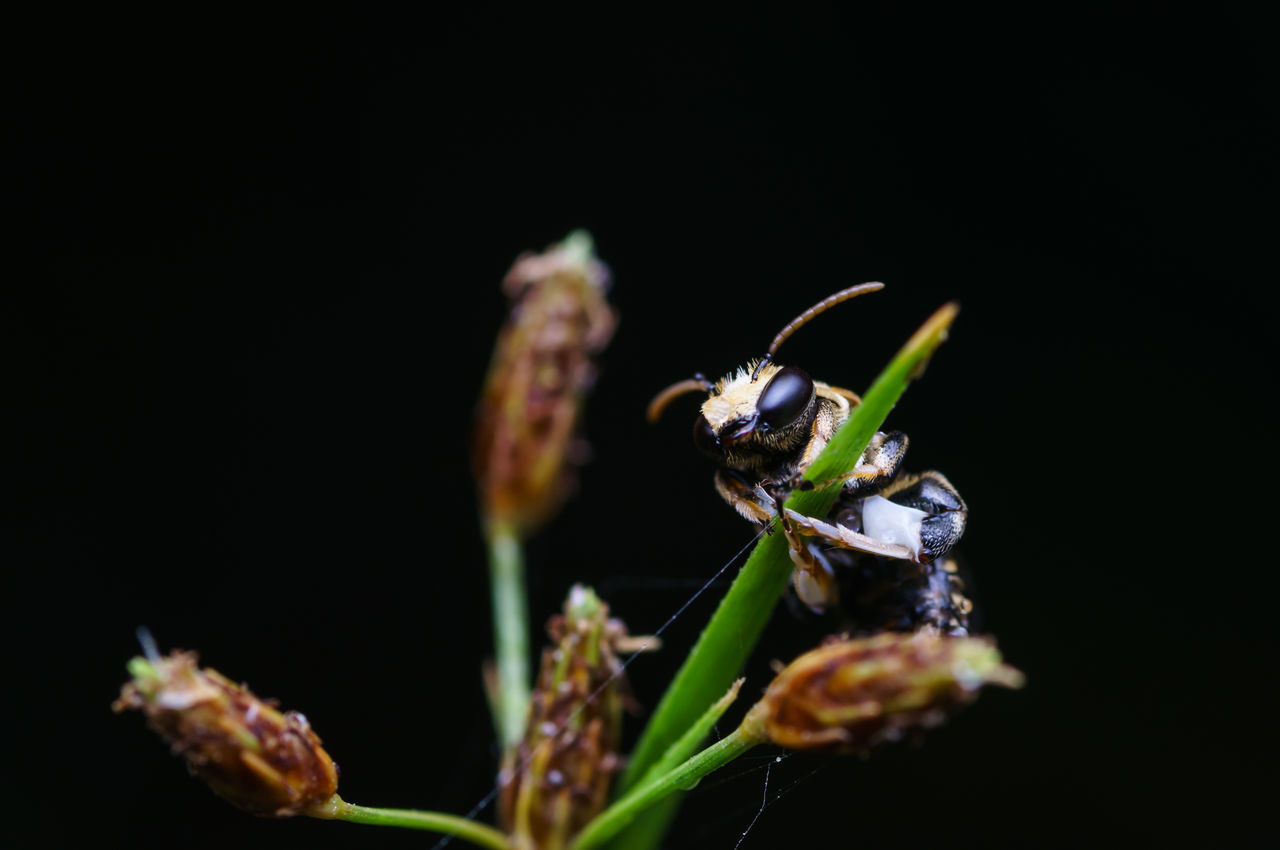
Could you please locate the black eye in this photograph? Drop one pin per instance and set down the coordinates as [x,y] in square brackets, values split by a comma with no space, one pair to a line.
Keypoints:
[704,438]
[785,398]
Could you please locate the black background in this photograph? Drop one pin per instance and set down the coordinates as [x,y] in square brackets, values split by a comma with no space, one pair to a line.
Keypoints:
[257,279]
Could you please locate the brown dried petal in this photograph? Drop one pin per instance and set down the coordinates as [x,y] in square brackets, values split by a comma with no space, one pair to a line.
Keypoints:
[250,754]
[558,778]
[526,437]
[848,695]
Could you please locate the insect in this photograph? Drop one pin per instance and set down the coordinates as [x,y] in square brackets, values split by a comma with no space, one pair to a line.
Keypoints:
[889,532]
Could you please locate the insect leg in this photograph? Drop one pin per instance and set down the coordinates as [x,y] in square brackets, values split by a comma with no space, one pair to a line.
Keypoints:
[814,578]
[876,467]
[846,538]
[746,498]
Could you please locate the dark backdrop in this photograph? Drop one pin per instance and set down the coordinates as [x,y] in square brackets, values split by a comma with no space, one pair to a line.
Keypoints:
[257,279]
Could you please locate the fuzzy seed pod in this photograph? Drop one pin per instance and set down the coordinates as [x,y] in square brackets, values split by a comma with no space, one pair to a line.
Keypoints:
[258,759]
[558,777]
[848,695]
[526,438]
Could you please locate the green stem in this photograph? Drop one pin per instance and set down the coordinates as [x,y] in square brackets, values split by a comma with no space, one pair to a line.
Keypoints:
[718,655]
[736,624]
[510,631]
[616,817]
[335,808]
[693,736]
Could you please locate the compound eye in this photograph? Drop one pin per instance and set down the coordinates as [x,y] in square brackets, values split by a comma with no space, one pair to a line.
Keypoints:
[705,438]
[786,397]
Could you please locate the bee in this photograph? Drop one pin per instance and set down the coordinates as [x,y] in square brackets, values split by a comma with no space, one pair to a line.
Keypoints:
[889,533]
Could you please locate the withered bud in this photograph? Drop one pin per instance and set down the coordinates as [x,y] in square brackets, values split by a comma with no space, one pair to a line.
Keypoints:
[558,777]
[848,695]
[265,762]
[526,438]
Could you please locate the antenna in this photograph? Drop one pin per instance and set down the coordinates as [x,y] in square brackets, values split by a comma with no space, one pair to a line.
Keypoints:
[804,318]
[679,388]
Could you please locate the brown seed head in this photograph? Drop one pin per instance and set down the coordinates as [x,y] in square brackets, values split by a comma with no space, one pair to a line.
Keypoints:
[250,754]
[558,778]
[848,695]
[526,436]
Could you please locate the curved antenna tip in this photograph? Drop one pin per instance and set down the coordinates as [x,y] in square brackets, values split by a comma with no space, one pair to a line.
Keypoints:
[814,311]
[659,404]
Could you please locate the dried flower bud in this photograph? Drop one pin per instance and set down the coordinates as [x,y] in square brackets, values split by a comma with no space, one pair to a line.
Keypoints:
[847,695]
[251,755]
[558,777]
[527,421]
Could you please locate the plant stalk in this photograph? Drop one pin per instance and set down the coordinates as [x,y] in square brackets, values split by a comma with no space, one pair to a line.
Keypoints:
[510,631]
[613,819]
[336,808]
